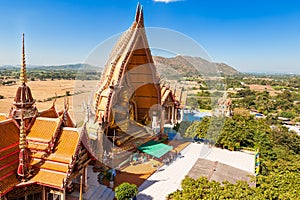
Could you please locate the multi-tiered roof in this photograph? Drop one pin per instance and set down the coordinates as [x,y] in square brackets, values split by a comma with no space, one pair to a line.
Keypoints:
[38,148]
[130,66]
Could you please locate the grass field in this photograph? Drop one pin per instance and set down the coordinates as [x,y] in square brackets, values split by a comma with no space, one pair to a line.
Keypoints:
[43,90]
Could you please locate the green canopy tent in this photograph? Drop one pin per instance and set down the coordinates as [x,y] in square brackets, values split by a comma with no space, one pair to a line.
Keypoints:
[155,148]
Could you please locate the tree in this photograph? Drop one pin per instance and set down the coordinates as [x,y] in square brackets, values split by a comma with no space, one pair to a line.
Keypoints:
[126,191]
[182,127]
[279,177]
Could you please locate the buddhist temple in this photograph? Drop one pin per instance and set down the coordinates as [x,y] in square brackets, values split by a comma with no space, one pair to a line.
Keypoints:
[43,155]
[130,104]
[41,152]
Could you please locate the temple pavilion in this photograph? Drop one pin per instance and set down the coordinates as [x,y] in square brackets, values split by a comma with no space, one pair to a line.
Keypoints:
[131,103]
[41,152]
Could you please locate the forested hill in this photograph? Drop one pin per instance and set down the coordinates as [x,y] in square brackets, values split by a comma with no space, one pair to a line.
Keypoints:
[187,66]
[66,67]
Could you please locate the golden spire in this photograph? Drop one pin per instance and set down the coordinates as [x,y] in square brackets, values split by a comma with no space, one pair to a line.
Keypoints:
[23,170]
[23,75]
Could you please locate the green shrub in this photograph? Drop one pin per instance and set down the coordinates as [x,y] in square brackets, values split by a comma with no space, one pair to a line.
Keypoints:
[126,191]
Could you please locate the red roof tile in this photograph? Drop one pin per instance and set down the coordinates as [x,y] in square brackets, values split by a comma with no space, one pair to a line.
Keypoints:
[9,134]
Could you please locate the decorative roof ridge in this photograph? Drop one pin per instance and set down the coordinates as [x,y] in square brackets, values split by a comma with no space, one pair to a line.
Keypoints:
[6,121]
[49,118]
[54,101]
[49,109]
[49,170]
[69,129]
[85,141]
[141,18]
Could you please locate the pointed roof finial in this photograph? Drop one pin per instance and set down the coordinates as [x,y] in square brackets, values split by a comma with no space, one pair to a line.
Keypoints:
[23,75]
[137,14]
[141,19]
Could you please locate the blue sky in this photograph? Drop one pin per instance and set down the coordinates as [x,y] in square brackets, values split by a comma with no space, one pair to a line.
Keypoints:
[252,36]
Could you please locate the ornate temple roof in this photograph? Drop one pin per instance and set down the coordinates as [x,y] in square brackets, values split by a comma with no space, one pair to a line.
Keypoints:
[48,138]
[167,92]
[53,149]
[131,60]
[54,169]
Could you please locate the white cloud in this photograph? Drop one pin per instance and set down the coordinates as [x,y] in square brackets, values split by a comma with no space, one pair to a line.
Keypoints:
[167,1]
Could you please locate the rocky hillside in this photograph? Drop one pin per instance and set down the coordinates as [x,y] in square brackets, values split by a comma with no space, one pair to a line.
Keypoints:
[187,66]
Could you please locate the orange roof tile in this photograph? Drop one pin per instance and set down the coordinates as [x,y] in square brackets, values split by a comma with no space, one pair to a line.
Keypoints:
[8,161]
[9,167]
[8,183]
[11,149]
[54,166]
[2,117]
[44,129]
[9,157]
[66,146]
[48,177]
[9,133]
[38,146]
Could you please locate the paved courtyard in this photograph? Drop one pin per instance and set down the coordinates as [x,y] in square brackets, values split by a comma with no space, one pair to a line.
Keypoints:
[168,178]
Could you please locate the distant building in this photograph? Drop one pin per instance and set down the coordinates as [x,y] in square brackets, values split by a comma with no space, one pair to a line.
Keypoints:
[296,129]
[224,107]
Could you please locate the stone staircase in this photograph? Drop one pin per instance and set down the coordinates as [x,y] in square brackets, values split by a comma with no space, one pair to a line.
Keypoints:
[95,190]
[99,193]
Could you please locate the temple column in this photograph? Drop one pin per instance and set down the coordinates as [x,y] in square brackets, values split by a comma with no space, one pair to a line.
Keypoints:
[181,115]
[44,193]
[162,120]
[169,114]
[63,195]
[100,146]
[85,180]
[172,117]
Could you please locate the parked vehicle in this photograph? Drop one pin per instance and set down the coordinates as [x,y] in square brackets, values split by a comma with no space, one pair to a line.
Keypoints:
[198,140]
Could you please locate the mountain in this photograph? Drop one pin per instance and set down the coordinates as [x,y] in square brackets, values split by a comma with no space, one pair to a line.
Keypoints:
[168,67]
[56,67]
[187,66]
[66,67]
